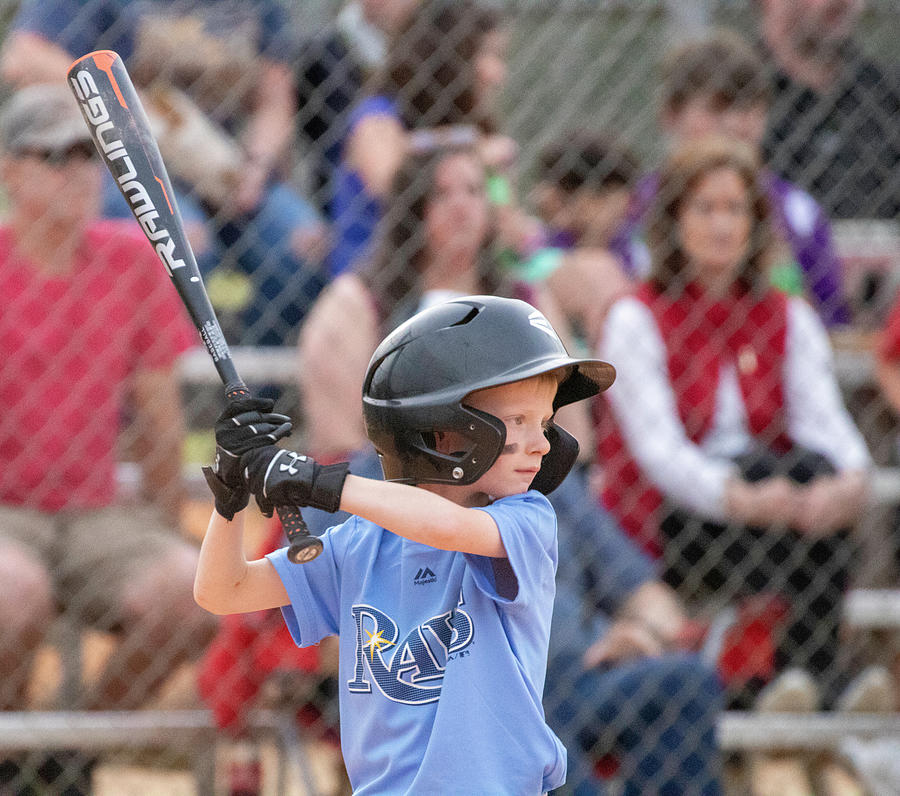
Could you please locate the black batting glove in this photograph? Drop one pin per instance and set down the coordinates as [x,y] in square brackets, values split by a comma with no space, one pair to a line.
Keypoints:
[243,426]
[279,477]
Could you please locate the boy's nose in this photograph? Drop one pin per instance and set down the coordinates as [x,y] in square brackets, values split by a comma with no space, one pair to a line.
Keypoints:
[540,443]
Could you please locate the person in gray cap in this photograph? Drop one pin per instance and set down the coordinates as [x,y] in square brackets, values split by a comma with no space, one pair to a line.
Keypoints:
[43,118]
[90,332]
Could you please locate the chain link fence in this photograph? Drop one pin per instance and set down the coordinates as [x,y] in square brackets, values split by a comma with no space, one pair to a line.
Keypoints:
[336,175]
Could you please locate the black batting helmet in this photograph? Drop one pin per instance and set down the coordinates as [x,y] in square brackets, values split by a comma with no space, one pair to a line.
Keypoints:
[420,375]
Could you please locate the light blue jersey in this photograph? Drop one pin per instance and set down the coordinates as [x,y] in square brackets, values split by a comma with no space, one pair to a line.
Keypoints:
[442,654]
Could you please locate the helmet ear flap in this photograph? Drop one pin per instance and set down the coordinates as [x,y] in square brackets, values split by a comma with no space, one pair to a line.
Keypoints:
[557,461]
[413,449]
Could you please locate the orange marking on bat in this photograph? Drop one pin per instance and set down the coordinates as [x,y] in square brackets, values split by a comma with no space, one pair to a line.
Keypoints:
[104,60]
[79,60]
[171,210]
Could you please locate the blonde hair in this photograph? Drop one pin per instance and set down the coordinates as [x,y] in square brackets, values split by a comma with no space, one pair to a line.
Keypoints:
[554,377]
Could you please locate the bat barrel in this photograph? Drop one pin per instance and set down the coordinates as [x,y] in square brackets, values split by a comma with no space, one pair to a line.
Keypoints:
[123,136]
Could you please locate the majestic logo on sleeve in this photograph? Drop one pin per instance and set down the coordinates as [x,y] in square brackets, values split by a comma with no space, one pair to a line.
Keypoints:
[410,670]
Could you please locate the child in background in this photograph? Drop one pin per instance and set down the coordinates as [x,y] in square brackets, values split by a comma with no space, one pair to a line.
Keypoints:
[583,188]
[441,586]
[582,194]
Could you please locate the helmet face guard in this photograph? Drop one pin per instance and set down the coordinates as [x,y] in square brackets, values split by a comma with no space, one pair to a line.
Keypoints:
[418,379]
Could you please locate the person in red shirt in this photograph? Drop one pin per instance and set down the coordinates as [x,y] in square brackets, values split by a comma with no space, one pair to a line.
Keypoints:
[90,333]
[887,358]
[887,374]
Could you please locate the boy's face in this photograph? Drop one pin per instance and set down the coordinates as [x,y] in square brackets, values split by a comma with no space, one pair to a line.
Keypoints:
[594,216]
[525,407]
[700,117]
[590,216]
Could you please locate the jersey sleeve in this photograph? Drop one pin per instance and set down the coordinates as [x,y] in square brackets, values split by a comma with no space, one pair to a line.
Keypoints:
[313,589]
[527,525]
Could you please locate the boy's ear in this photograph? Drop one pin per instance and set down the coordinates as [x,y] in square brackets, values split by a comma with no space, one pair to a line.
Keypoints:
[445,442]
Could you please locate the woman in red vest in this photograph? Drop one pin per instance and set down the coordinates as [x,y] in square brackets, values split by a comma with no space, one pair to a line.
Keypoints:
[725,444]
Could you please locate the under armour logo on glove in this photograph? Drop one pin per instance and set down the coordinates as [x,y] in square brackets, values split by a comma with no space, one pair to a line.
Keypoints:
[279,477]
[289,467]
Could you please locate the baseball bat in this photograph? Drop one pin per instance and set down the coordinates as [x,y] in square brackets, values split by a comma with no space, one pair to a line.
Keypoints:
[123,136]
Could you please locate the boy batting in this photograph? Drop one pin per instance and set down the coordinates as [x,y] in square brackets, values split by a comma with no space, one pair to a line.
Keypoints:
[441,584]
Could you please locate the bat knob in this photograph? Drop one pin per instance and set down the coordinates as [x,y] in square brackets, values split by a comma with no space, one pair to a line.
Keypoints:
[235,392]
[304,549]
[303,545]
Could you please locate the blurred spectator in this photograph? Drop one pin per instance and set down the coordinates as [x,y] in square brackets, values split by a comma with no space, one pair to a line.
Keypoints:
[887,374]
[217,78]
[434,242]
[331,69]
[583,187]
[444,70]
[725,444]
[582,191]
[833,122]
[621,687]
[719,85]
[91,327]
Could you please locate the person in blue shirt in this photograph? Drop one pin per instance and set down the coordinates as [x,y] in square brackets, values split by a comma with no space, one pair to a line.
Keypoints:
[441,585]
[444,72]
